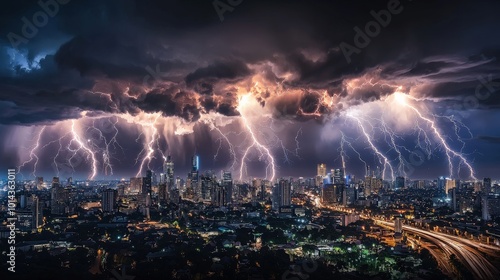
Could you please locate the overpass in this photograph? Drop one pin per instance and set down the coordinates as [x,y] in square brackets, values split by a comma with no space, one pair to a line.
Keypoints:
[472,254]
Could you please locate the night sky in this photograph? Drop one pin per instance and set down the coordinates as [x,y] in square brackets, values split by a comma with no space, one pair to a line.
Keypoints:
[104,89]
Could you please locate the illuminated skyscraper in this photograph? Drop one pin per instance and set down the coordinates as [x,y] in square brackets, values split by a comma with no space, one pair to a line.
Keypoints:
[227,184]
[321,170]
[282,194]
[37,212]
[320,174]
[441,184]
[135,186]
[168,169]
[194,178]
[338,176]
[450,184]
[195,163]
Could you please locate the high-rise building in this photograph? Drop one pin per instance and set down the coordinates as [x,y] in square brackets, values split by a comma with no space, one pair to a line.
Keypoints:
[255,188]
[493,207]
[168,169]
[135,186]
[376,184]
[332,194]
[147,182]
[368,186]
[195,183]
[453,200]
[285,193]
[321,173]
[37,212]
[399,183]
[282,194]
[163,178]
[321,170]
[349,179]
[450,184]
[168,166]
[207,186]
[163,192]
[219,196]
[39,182]
[421,184]
[441,184]
[58,197]
[195,163]
[350,195]
[24,220]
[108,201]
[487,185]
[227,184]
[328,194]
[338,176]
[485,212]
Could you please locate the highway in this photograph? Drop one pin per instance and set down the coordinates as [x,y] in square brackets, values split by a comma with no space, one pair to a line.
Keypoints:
[470,253]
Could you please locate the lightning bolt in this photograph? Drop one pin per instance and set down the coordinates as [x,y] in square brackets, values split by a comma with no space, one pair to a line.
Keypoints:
[255,143]
[54,159]
[223,137]
[403,100]
[82,147]
[395,147]
[106,154]
[344,140]
[149,151]
[285,150]
[33,155]
[382,158]
[343,154]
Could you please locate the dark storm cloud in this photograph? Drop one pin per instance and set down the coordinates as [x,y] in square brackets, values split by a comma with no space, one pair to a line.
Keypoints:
[219,70]
[182,104]
[111,44]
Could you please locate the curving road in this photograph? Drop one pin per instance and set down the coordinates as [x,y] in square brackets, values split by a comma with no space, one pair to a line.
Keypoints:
[470,253]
